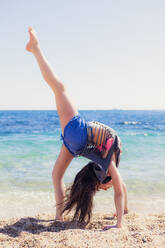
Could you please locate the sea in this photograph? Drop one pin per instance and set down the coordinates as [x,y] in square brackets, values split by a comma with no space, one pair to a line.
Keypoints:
[30,142]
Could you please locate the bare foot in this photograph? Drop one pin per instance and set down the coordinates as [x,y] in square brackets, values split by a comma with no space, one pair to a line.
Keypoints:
[59,218]
[33,42]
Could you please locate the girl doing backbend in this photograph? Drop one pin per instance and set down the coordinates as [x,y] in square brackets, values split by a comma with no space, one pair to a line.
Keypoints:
[93,140]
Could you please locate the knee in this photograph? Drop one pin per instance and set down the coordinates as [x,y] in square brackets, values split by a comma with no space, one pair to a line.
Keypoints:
[57,86]
[60,86]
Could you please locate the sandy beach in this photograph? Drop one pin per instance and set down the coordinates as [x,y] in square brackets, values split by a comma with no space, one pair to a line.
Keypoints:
[41,231]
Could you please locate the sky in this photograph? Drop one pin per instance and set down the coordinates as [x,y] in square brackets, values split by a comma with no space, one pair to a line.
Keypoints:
[109,54]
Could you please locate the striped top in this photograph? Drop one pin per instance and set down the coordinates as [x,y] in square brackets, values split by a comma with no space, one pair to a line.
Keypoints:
[101,136]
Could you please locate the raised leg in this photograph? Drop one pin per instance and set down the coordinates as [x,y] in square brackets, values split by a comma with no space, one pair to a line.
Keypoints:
[65,107]
[66,111]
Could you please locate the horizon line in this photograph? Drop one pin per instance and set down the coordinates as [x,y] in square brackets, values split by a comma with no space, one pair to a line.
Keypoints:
[117,109]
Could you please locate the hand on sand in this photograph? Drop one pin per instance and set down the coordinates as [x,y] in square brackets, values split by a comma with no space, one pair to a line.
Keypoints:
[33,41]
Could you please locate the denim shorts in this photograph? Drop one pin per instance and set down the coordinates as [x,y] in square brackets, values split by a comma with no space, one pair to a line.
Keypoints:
[75,135]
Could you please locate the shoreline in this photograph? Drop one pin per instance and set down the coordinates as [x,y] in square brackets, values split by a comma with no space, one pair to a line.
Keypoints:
[42,231]
[24,204]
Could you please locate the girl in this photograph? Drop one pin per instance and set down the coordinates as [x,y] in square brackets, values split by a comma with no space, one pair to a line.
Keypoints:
[93,140]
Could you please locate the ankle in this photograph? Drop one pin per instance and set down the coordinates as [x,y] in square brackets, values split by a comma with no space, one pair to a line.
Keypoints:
[35,49]
[59,217]
[59,214]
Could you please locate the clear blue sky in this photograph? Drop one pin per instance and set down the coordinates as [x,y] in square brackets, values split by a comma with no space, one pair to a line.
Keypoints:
[110,54]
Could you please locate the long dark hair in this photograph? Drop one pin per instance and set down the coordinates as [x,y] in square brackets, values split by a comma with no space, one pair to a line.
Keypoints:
[80,194]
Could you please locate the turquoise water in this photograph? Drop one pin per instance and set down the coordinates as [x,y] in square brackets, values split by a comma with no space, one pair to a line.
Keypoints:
[30,143]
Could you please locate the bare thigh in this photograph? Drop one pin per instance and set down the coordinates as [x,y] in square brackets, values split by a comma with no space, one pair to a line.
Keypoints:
[65,107]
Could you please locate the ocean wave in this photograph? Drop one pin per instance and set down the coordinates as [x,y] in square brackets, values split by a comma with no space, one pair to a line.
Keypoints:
[130,123]
[143,134]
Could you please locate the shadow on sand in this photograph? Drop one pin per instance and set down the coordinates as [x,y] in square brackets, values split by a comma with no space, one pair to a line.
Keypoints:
[37,226]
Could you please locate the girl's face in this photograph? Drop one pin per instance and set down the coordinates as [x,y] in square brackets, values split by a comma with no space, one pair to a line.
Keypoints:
[106,185]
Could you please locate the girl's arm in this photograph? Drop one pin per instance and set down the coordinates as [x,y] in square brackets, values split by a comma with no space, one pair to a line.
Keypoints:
[118,194]
[125,200]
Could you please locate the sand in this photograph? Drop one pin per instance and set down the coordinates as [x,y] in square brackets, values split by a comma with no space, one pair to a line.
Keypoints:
[42,231]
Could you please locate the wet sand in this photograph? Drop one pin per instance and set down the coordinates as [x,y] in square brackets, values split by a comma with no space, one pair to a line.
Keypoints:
[42,231]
